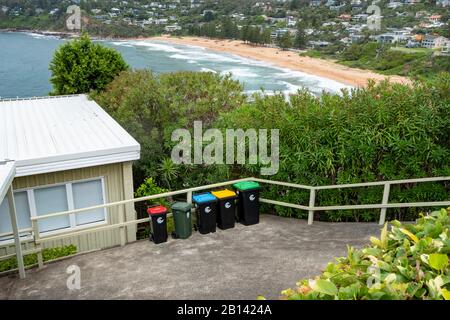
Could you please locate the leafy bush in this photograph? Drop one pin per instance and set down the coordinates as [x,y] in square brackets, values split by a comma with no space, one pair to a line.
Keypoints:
[148,188]
[379,133]
[150,107]
[80,66]
[391,61]
[410,261]
[31,259]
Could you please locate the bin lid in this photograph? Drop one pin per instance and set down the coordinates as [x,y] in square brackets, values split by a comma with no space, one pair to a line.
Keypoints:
[181,206]
[246,185]
[204,197]
[222,194]
[157,210]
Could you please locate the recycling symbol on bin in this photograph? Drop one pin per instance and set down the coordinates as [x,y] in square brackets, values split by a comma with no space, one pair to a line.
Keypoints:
[228,205]
[207,209]
[160,220]
[252,197]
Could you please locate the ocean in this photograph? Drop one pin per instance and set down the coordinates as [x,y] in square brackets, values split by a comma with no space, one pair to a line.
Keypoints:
[25,57]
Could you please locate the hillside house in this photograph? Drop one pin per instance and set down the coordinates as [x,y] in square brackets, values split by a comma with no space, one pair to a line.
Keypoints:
[68,154]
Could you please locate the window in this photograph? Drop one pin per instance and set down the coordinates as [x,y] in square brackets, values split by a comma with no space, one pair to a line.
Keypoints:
[52,200]
[88,194]
[46,200]
[22,213]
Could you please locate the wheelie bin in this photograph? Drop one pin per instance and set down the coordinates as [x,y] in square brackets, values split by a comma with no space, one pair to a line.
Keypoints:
[206,209]
[248,202]
[227,208]
[183,221]
[158,215]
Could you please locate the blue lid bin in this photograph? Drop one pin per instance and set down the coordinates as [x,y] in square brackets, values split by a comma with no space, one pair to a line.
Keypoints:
[206,212]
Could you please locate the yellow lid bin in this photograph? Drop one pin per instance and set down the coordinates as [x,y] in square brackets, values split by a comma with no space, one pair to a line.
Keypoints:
[227,208]
[223,194]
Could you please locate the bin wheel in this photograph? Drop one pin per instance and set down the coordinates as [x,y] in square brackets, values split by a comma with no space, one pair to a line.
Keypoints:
[174,235]
[151,237]
[195,227]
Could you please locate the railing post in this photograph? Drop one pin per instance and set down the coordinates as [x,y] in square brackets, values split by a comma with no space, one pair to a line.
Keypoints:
[34,224]
[312,201]
[387,188]
[189,197]
[122,231]
[15,227]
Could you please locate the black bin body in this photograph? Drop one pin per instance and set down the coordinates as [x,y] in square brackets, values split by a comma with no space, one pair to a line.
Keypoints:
[206,211]
[248,202]
[158,217]
[226,215]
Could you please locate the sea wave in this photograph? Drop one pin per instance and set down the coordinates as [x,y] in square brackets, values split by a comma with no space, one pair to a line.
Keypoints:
[241,72]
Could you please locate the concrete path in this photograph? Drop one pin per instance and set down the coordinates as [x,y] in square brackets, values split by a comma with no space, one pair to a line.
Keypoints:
[239,263]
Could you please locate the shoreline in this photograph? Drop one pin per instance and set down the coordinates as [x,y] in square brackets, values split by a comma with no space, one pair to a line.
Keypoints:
[285,59]
[291,60]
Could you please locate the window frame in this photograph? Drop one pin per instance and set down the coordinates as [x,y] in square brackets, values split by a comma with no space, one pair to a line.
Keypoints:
[70,205]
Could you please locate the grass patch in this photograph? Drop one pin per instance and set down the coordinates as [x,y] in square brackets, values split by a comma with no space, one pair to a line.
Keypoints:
[31,259]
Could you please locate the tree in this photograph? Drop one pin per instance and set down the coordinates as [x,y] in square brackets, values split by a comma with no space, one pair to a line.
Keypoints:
[150,107]
[300,37]
[285,41]
[80,66]
[265,37]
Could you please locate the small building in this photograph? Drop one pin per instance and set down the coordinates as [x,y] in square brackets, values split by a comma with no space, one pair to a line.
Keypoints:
[446,47]
[318,44]
[68,154]
[394,5]
[434,42]
[435,18]
[172,28]
[389,37]
[345,17]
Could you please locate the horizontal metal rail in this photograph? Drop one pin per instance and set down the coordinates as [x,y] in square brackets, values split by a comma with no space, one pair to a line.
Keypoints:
[31,251]
[382,183]
[5,234]
[155,196]
[311,208]
[284,204]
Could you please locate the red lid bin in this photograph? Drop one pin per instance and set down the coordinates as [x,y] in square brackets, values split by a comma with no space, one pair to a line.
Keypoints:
[159,223]
[157,210]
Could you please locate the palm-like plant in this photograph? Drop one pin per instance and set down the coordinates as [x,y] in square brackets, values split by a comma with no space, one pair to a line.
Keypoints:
[168,170]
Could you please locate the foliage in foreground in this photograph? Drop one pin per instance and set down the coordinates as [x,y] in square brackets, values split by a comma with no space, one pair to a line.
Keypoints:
[80,66]
[31,259]
[379,133]
[382,132]
[410,261]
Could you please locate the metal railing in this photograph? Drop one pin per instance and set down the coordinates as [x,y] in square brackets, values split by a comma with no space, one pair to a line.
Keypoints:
[311,207]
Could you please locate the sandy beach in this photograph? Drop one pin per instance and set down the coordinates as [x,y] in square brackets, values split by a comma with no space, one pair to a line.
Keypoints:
[286,59]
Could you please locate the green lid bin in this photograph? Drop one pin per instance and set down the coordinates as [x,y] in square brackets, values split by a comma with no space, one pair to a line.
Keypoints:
[248,202]
[246,185]
[182,219]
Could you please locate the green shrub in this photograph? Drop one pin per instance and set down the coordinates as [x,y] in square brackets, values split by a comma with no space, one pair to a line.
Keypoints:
[408,262]
[150,107]
[379,133]
[80,66]
[31,259]
[148,188]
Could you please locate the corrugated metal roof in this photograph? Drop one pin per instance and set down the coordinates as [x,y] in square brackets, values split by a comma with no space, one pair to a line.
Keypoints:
[7,170]
[61,133]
